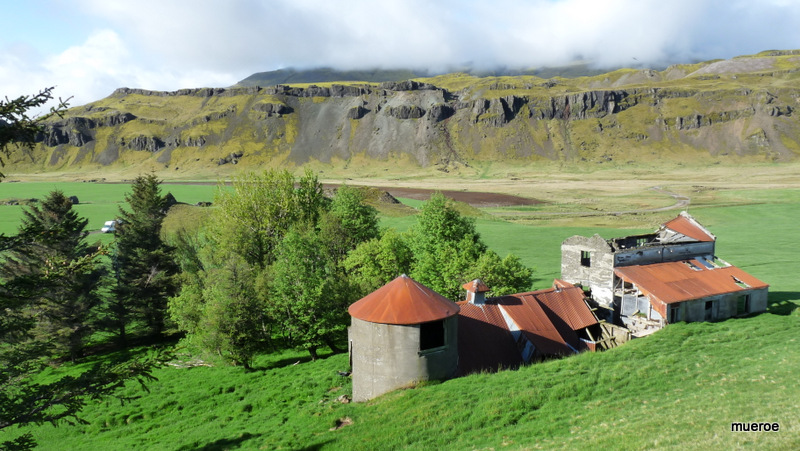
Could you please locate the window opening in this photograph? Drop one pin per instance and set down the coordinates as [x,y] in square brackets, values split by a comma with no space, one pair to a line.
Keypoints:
[431,335]
[674,313]
[743,305]
[709,310]
[586,259]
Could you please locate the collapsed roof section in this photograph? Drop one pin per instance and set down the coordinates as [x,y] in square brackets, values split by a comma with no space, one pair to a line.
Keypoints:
[682,229]
[506,331]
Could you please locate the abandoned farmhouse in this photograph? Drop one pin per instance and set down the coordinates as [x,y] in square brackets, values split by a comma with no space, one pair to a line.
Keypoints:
[609,291]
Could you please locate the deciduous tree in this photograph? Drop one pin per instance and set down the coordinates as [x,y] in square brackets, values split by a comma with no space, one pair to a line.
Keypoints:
[448,252]
[254,214]
[378,261]
[308,295]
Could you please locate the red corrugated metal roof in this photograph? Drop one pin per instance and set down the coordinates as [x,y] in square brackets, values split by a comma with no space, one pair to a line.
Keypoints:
[403,301]
[476,286]
[484,341]
[535,323]
[677,281]
[688,227]
[568,304]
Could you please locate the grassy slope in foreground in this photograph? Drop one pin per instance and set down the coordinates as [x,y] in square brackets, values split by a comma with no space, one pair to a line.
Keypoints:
[682,386]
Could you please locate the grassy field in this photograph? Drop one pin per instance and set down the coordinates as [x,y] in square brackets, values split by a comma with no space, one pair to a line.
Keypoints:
[98,202]
[681,387]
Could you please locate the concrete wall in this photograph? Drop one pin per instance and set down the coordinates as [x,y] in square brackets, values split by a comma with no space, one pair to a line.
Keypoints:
[658,254]
[723,306]
[599,276]
[386,357]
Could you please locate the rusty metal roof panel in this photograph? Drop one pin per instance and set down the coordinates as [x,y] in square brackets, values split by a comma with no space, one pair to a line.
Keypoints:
[568,304]
[678,281]
[475,286]
[534,322]
[484,341]
[689,227]
[403,301]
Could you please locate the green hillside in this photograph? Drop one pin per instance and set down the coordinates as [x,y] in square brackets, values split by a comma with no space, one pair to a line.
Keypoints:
[681,387]
[743,109]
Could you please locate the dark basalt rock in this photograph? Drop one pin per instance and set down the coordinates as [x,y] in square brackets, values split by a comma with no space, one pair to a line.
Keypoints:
[144,143]
[273,109]
[440,112]
[405,112]
[232,158]
[357,112]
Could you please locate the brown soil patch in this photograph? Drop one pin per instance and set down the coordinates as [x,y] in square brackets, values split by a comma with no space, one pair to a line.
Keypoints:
[476,199]
[473,198]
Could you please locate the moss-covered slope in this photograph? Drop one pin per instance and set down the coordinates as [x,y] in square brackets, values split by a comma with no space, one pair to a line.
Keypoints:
[745,106]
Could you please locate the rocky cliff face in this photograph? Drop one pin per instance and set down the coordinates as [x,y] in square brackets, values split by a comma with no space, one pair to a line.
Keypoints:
[443,120]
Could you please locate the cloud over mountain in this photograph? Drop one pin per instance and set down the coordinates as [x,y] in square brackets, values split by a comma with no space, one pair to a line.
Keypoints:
[167,45]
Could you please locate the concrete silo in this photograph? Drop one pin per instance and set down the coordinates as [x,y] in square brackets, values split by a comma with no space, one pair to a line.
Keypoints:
[401,334]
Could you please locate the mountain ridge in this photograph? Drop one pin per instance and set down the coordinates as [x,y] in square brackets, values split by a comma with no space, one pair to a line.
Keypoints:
[742,107]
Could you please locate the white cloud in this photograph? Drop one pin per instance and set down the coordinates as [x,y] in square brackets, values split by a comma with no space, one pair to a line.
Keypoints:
[244,36]
[93,70]
[167,45]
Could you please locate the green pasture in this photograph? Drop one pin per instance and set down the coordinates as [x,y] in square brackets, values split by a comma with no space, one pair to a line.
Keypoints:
[679,388]
[98,202]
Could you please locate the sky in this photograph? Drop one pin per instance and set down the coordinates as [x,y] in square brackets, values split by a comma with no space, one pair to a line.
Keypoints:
[89,48]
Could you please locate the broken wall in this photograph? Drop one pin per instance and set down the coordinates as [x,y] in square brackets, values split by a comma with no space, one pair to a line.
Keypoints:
[648,255]
[597,273]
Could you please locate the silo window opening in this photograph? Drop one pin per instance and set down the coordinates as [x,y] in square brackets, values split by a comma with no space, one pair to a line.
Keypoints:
[431,335]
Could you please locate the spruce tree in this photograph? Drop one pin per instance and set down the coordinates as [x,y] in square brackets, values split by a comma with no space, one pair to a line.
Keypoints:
[143,264]
[51,240]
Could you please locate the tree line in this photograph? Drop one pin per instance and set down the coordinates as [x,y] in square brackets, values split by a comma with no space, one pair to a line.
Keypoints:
[278,263]
[275,266]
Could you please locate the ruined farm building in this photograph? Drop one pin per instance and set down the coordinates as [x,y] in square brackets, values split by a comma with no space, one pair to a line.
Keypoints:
[508,331]
[671,275]
[401,334]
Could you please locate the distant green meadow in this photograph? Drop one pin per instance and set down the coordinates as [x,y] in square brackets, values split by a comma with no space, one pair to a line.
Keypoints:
[680,388]
[98,202]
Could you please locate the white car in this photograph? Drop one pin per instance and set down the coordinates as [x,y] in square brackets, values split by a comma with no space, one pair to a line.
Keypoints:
[109,227]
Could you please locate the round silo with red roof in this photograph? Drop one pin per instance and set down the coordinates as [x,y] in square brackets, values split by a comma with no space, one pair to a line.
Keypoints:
[401,334]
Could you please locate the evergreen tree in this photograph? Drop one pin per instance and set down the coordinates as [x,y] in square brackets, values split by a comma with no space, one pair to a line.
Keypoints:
[24,397]
[61,309]
[17,127]
[143,263]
